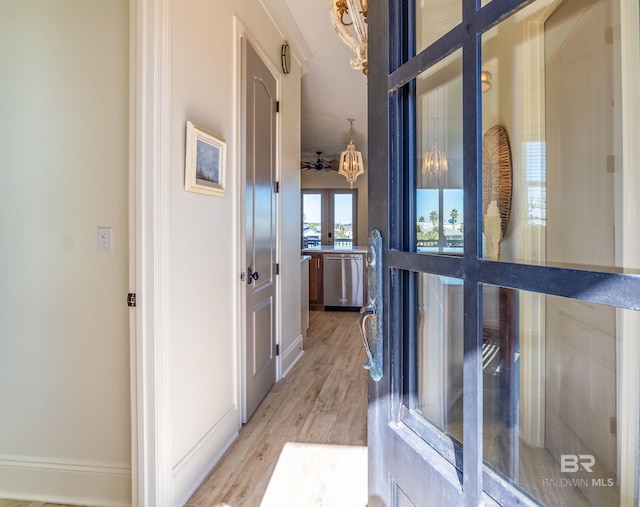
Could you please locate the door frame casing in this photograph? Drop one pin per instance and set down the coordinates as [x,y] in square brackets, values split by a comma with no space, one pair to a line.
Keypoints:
[150,174]
[241,32]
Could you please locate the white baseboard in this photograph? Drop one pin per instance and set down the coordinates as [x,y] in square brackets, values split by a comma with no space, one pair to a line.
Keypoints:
[193,468]
[292,355]
[70,482]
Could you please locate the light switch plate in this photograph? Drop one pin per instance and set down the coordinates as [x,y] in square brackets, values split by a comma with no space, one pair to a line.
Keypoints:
[105,244]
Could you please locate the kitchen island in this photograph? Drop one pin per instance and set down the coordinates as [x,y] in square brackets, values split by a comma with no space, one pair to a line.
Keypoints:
[337,277]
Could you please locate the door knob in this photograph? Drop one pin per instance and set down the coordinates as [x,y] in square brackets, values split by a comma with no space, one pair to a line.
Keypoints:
[366,312]
[252,275]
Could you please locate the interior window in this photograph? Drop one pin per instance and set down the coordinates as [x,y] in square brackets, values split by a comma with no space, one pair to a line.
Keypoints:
[329,217]
[311,219]
[440,220]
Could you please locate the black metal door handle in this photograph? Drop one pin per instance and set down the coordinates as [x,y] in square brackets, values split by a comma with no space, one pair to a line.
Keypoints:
[252,275]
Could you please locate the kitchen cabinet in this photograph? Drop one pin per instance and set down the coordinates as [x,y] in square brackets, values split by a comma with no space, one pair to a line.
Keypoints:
[304,295]
[316,283]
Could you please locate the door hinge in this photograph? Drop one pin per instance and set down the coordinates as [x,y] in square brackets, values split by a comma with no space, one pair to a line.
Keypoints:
[277,349]
[277,106]
[277,268]
[276,187]
[131,299]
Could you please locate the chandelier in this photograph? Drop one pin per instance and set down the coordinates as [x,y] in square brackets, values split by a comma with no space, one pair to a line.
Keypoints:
[435,161]
[351,165]
[353,33]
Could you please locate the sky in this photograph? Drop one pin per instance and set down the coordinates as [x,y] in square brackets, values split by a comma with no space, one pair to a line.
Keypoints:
[342,211]
[427,201]
[311,208]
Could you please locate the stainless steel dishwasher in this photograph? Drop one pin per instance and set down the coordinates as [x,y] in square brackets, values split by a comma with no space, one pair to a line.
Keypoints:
[343,280]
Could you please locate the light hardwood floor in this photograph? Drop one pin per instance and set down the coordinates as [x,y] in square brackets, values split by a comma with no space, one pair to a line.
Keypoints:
[323,400]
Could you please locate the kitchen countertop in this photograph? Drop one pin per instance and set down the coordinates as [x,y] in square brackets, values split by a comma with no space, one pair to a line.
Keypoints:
[336,249]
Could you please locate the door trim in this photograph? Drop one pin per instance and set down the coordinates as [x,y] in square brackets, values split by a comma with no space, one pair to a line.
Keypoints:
[150,136]
[240,32]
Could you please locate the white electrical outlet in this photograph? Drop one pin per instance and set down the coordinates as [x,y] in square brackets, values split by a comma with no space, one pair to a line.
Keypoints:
[104,240]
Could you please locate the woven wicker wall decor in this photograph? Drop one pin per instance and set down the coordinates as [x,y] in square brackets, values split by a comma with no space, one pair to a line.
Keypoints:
[497,173]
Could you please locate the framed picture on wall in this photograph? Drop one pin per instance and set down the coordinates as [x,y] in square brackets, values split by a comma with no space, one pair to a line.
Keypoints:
[205,162]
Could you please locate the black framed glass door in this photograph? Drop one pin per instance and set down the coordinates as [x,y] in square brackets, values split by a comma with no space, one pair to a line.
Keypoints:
[503,182]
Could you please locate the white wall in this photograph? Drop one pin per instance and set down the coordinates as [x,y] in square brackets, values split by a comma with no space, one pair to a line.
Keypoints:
[64,323]
[202,279]
[205,273]
[290,221]
[64,342]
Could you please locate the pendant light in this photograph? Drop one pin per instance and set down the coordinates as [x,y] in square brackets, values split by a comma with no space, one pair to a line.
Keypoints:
[435,161]
[351,165]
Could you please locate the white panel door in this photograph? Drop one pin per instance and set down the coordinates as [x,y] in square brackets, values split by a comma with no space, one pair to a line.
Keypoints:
[259,94]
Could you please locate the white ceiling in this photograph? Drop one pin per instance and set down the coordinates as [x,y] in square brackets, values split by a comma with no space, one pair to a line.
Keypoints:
[331,90]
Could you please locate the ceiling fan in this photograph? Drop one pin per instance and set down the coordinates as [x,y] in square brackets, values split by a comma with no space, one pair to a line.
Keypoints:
[321,164]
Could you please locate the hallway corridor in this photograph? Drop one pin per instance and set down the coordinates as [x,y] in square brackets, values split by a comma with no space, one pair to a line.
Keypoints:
[323,400]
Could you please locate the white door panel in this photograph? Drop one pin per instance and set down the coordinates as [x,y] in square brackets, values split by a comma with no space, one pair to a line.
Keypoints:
[259,101]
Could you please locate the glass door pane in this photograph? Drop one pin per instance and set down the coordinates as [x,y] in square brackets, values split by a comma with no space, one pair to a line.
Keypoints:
[311,219]
[343,219]
[439,211]
[556,170]
[434,18]
[439,352]
[560,396]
